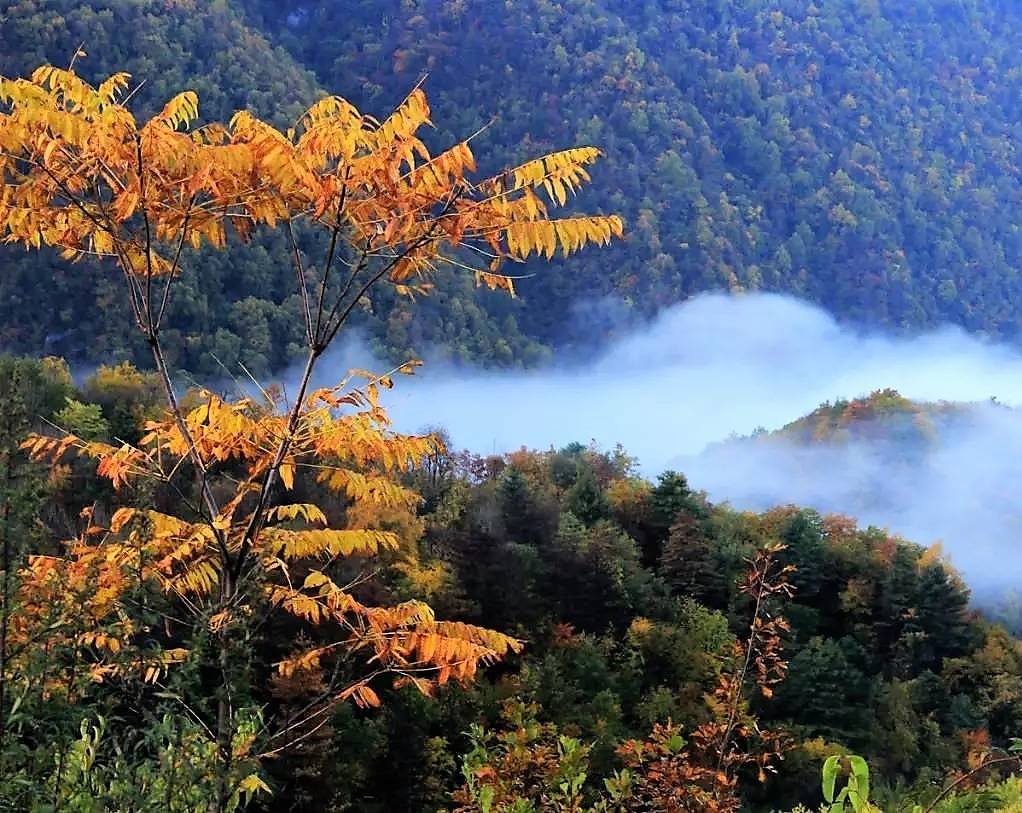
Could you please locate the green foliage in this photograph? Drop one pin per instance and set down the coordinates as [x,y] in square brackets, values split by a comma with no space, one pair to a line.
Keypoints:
[529,769]
[827,689]
[166,768]
[854,796]
[127,397]
[861,160]
[31,391]
[84,420]
[689,562]
[585,498]
[617,645]
[631,612]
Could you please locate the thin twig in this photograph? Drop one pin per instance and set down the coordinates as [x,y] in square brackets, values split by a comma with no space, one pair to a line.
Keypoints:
[964,778]
[302,289]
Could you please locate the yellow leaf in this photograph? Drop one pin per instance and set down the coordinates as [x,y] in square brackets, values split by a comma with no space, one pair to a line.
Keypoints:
[120,518]
[315,579]
[251,785]
[366,697]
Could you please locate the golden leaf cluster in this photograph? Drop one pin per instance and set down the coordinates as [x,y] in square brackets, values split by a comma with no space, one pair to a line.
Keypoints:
[80,173]
[77,171]
[352,452]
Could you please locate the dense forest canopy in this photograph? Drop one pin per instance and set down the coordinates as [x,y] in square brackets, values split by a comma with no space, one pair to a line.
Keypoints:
[859,154]
[628,594]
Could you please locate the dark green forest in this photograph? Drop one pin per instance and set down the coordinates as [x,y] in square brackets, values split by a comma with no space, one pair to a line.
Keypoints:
[858,154]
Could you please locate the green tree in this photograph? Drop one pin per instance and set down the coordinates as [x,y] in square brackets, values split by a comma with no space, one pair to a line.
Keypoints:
[585,498]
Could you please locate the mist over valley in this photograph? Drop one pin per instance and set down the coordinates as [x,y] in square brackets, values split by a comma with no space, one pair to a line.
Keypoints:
[686,391]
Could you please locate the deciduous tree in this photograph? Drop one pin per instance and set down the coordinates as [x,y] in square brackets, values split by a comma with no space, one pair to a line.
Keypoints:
[79,173]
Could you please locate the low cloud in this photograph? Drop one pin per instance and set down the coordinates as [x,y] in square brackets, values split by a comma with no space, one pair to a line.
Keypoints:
[718,366]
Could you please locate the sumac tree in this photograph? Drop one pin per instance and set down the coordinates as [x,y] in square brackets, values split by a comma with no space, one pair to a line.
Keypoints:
[79,173]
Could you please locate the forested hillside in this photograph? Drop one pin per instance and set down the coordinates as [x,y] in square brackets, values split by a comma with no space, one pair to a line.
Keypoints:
[858,154]
[633,598]
[246,596]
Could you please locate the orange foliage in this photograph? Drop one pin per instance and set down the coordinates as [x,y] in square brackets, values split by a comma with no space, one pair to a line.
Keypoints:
[79,173]
[699,772]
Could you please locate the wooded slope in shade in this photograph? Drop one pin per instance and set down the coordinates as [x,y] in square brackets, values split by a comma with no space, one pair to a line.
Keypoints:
[858,154]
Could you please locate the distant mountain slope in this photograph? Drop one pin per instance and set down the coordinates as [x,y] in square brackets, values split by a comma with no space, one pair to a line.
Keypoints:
[884,416]
[860,154]
[171,45]
[233,307]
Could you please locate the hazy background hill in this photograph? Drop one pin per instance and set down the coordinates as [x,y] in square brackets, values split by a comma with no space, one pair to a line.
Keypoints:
[861,155]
